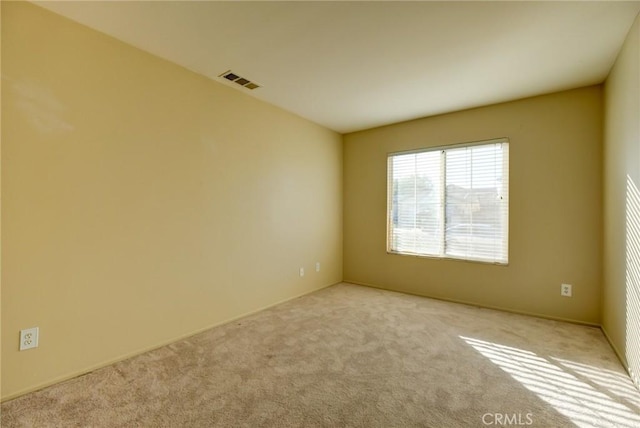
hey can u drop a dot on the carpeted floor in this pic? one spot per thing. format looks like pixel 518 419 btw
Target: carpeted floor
pixel 351 356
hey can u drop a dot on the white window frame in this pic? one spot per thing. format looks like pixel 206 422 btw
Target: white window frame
pixel 442 252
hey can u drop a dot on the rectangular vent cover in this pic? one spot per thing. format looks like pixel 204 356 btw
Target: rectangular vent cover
pixel 233 77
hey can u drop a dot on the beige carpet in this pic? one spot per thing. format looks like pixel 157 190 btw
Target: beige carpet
pixel 351 356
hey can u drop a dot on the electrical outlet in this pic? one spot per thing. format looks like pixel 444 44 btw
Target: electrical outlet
pixel 29 338
pixel 565 290
pixel 317 266
pixel 301 271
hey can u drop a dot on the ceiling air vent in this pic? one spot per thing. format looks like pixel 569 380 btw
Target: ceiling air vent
pixel 233 77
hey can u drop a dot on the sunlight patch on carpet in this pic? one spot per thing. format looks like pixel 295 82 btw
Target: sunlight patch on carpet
pixel 584 394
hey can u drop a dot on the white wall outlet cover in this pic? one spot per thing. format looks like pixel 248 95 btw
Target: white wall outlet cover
pixel 565 290
pixel 29 338
pixel 301 271
pixel 317 266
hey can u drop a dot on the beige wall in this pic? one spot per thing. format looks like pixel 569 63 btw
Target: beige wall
pixel 621 297
pixel 555 208
pixel 0 218
pixel 143 202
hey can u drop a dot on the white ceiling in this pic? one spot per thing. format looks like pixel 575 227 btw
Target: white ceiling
pixel 361 64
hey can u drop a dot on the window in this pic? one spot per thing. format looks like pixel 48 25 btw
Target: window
pixel 450 202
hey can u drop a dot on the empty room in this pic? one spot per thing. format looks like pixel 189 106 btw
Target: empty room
pixel 320 214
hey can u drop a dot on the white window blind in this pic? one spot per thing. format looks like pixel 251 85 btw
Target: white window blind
pixel 450 202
